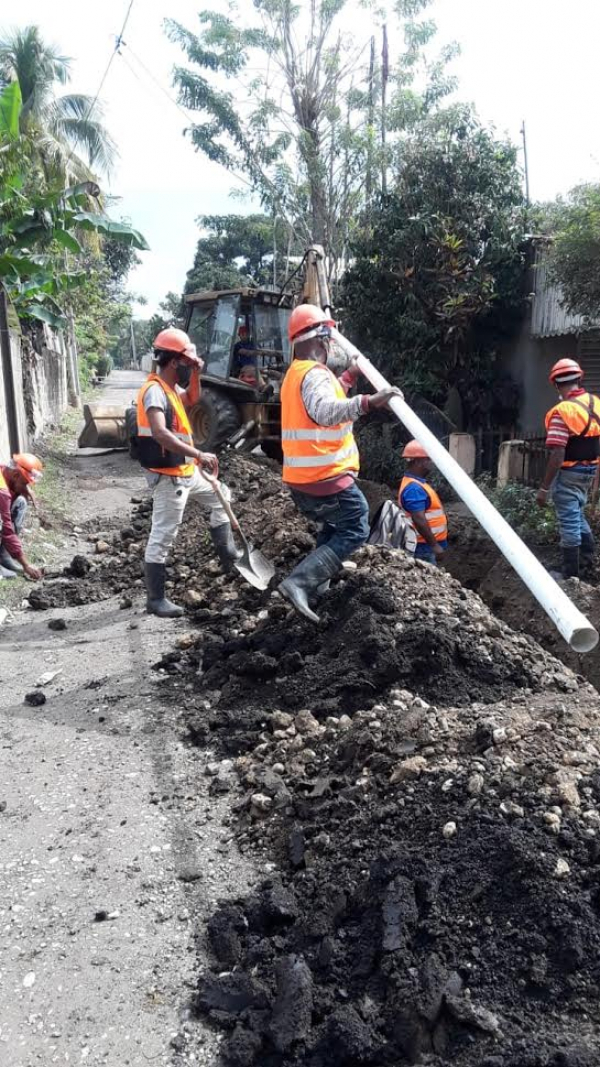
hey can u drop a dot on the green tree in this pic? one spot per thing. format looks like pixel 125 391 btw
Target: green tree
pixel 288 105
pixel 574 253
pixel 237 250
pixel 437 278
pixel 69 136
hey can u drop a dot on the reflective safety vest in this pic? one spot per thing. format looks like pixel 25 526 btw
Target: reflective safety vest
pixel 312 453
pixel 3 484
pixel 581 414
pixel 435 514
pixel 153 456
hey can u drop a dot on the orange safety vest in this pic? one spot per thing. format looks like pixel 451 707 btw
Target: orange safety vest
pixel 581 415
pixel 152 455
pixel 312 453
pixel 435 514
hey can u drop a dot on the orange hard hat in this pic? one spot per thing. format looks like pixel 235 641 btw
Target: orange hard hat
pixel 172 340
pixel 28 465
pixel 413 450
pixel 566 370
pixel 307 317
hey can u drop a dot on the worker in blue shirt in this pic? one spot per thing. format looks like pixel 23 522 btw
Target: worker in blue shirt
pixel 422 506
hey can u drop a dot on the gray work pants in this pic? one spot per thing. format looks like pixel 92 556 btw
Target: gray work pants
pixel 169 498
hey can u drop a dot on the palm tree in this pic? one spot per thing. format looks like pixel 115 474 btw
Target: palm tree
pixel 62 126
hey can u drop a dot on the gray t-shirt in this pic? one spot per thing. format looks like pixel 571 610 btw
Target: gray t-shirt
pixel 155 397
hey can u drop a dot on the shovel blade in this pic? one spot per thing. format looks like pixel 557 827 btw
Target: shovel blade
pixel 254 567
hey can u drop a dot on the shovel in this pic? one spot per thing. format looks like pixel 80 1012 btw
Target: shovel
pixel 252 566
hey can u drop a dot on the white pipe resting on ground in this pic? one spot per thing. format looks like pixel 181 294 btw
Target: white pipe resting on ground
pixel 574 627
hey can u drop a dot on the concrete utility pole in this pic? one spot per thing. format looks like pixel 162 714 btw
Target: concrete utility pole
pixel 133 348
pixel 525 162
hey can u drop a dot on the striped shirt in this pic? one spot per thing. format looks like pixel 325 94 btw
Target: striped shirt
pixel 324 408
pixel 558 432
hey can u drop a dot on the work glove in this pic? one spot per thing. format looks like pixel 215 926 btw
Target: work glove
pixel 382 398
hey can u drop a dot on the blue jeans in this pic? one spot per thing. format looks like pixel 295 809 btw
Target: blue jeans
pixel 343 519
pixel 570 495
pixel 425 552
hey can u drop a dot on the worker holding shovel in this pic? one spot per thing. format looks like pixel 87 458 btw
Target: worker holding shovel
pixel 320 457
pixel 164 447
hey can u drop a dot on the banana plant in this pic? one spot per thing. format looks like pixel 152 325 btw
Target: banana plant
pixel 39 229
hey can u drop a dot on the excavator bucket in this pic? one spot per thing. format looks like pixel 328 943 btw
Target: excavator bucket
pixel 104 427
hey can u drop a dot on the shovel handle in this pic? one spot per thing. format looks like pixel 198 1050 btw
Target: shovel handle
pixel 214 482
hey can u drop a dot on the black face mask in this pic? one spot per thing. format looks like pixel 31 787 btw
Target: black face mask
pixel 184 375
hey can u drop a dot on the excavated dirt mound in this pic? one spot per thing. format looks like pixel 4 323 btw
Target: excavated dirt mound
pixel 425 786
pixel 437 898
pixel 476 561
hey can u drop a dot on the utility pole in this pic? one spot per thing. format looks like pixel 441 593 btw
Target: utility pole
pixel 133 348
pixel 525 162
pixel 385 73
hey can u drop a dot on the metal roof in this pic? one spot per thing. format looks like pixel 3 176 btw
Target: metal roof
pixel 549 318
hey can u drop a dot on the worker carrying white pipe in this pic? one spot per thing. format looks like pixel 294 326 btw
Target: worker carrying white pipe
pixel 320 457
pixel 573 439
pixel 165 448
pixel 421 505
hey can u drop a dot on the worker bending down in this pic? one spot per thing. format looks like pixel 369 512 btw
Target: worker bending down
pixel 422 506
pixel 320 457
pixel 16 480
pixel 573 439
pixel 166 450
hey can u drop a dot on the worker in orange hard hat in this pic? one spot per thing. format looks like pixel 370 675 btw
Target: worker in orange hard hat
pixel 573 440
pixel 320 457
pixel 422 506
pixel 16 481
pixel 166 450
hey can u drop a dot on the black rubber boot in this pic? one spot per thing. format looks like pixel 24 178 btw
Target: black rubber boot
pixel 571 562
pixel 157 604
pixel 317 568
pixel 222 537
pixel 588 545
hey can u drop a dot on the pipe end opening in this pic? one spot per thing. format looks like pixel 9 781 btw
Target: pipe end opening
pixel 584 639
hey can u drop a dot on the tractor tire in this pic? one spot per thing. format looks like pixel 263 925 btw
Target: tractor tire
pixel 215 418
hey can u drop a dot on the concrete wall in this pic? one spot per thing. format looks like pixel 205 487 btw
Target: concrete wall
pixel 39 373
pixel 529 363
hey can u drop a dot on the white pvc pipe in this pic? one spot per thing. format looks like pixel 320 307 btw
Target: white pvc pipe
pixel 574 627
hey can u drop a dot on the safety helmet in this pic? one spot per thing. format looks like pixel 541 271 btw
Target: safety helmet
pixel 413 450
pixel 172 340
pixel 28 465
pixel 566 370
pixel 306 318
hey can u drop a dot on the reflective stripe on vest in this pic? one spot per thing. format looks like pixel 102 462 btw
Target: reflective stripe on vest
pixel 435 514
pixel 181 425
pixel 574 412
pixel 3 484
pixel 312 453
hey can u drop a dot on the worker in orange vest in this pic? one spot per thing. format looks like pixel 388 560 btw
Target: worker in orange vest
pixel 573 439
pixel 166 450
pixel 16 480
pixel 320 457
pixel 422 506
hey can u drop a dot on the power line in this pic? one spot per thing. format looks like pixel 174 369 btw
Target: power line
pixel 117 46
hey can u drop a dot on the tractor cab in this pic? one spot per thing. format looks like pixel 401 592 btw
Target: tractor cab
pixel 241 334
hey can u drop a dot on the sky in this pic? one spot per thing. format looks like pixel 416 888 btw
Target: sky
pixel 532 60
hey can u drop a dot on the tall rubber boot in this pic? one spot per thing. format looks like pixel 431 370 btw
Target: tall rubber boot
pixel 222 537
pixel 571 562
pixel 317 568
pixel 157 603
pixel 588 546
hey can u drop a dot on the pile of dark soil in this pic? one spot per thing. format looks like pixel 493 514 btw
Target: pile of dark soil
pixel 437 895
pixel 478 564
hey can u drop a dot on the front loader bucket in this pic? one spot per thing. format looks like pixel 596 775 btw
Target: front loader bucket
pixel 104 427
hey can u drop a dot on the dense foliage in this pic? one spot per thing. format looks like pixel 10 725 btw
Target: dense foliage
pixel 574 223
pixel 436 283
